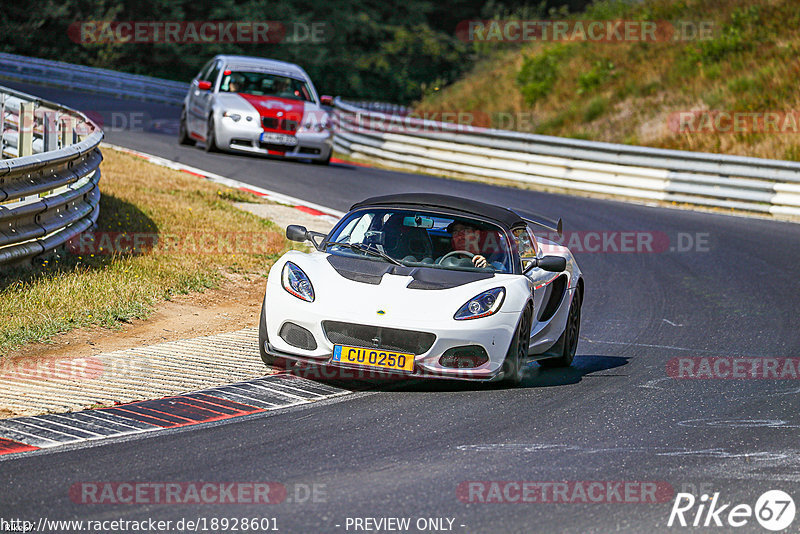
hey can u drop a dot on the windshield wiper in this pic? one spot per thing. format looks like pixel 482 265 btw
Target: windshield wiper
pixel 358 247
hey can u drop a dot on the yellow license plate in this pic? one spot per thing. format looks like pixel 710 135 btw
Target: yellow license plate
pixel 379 358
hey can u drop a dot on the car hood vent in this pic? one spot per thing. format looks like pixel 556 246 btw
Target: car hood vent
pixel 358 270
pixel 443 279
pixel 371 272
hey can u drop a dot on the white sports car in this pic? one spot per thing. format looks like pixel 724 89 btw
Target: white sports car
pixel 425 285
pixel 257 105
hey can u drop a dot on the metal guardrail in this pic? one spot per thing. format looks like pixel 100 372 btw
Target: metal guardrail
pixel 703 179
pixel 381 107
pixel 101 81
pixel 48 187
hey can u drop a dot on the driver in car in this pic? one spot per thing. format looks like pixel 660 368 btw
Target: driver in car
pixel 471 239
pixel 282 88
pixel 235 83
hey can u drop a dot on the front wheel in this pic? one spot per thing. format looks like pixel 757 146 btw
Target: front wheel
pixel 569 339
pixel 268 359
pixel 211 139
pixel 514 364
pixel 326 161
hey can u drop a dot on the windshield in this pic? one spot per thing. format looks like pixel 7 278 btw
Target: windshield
pixel 263 84
pixel 420 238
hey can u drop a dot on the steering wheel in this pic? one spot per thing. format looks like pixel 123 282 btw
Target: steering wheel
pixel 466 253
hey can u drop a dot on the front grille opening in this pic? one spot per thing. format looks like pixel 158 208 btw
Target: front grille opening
pixel 270 122
pixel 242 142
pixel 308 150
pixel 278 148
pixel 297 336
pixel 464 357
pixel 274 123
pixel 407 341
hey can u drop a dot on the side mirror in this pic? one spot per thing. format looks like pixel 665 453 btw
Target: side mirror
pixel 326 100
pixel 295 232
pixel 204 85
pixel 553 264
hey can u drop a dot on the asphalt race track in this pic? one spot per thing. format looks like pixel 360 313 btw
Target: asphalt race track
pixel 402 450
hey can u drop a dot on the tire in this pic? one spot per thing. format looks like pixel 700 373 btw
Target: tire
pixel 183 135
pixel 268 359
pixel 518 351
pixel 211 140
pixel 569 339
pixel 326 161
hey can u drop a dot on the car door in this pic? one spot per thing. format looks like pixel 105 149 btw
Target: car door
pixel 526 246
pixel 193 102
pixel 206 98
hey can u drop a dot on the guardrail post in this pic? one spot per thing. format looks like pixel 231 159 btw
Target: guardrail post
pixel 2 123
pixel 66 131
pixel 25 139
pixel 50 131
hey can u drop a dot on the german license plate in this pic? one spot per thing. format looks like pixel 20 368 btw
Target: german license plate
pixel 278 139
pixel 376 358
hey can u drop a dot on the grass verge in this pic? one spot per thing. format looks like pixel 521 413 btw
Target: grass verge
pixel 160 232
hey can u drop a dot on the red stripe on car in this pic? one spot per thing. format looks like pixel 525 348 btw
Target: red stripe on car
pixel 281 115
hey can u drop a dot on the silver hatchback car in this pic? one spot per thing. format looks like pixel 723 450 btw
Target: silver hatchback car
pixel 257 105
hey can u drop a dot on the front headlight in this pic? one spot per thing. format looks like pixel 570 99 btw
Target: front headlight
pixel 235 116
pixel 483 305
pixel 315 128
pixel 316 124
pixel 296 282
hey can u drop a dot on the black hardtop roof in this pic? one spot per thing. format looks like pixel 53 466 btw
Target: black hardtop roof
pixel 504 216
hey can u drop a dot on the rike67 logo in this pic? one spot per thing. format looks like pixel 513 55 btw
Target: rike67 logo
pixel 774 510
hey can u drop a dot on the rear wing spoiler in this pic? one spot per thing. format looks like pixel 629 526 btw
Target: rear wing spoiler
pixel 547 224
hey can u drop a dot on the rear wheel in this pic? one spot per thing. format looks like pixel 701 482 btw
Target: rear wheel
pixel 211 139
pixel 183 134
pixel 513 365
pixel 269 360
pixel 569 339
